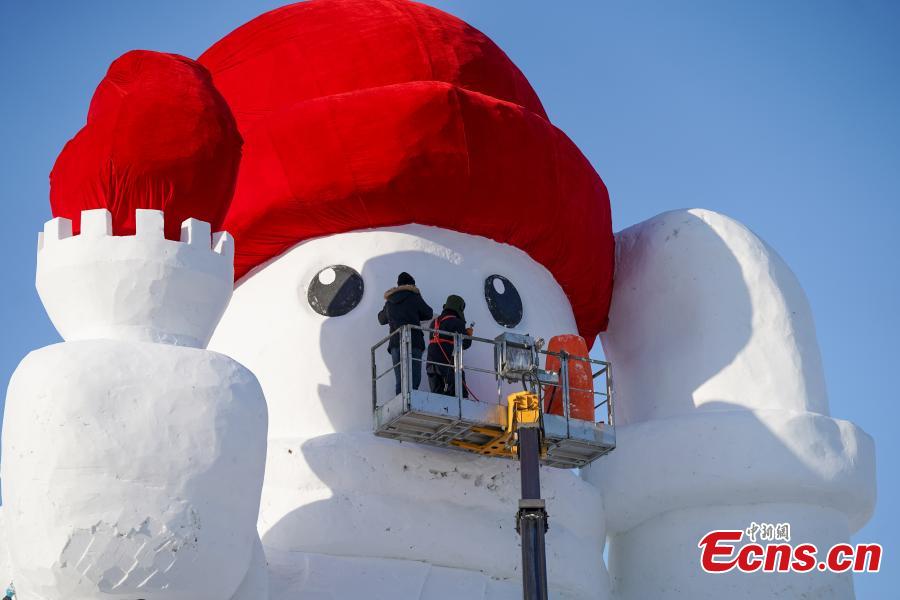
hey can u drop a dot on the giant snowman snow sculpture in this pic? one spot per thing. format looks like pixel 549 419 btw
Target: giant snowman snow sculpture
pixel 383 136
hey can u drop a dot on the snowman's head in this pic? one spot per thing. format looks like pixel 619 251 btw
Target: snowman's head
pixel 315 363
pixel 345 149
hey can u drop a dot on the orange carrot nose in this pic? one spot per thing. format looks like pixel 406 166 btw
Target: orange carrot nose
pixel 581 381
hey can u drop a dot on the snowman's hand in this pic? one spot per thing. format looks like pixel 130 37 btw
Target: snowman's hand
pixel 705 314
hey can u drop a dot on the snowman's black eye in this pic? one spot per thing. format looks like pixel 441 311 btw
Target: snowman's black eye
pixel 503 300
pixel 335 290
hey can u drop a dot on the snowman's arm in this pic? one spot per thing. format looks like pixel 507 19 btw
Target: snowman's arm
pixel 720 401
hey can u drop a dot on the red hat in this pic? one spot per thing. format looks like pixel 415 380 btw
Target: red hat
pixel 370 113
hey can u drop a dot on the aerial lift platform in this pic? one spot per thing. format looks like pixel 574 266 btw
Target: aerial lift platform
pixel 513 424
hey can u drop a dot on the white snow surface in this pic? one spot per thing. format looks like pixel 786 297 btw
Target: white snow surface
pixel 116 449
pixel 722 414
pixel 129 468
pixel 316 370
pixel 132 468
pixel 331 487
pixel 141 287
pixel 305 576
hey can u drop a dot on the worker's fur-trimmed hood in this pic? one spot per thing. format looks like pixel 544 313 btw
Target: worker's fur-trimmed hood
pixel 400 288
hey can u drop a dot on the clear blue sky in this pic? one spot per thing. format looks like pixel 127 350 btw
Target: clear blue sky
pixel 783 115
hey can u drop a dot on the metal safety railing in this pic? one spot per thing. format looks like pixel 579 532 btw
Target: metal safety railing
pixel 487 383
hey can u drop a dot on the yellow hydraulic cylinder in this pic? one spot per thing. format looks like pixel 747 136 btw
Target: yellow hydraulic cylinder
pixel 523 408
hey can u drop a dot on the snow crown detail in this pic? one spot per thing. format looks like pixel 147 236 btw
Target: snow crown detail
pixel 148 224
pixel 141 287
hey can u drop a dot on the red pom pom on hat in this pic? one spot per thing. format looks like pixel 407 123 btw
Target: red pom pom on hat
pixel 159 136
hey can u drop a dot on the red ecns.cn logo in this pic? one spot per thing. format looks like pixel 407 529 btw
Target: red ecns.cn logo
pixel 721 553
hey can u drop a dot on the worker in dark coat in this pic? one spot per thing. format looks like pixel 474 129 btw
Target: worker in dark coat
pixel 404 305
pixel 440 347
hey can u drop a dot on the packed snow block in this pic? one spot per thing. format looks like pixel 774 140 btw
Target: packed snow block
pixel 332 487
pixel 132 457
pixel 309 576
pixel 256 581
pixel 142 287
pixel 718 314
pixel 132 469
pixel 6 572
pixel 96 222
pixel 722 414
pixel 664 550
pixel 352 494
